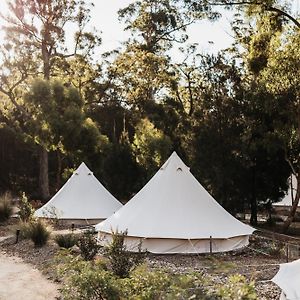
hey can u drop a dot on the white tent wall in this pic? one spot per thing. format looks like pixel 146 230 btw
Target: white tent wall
pixel 173 246
pixel 282 296
pixel 288 279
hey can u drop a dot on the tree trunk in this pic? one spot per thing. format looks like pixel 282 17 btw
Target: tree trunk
pixel 58 172
pixel 293 210
pixel 43 173
pixel 253 218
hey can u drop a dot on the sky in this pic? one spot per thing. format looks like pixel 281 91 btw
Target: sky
pixel 211 37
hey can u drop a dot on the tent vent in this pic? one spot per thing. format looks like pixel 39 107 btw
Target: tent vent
pixel 76 173
pixel 179 169
pixel 90 173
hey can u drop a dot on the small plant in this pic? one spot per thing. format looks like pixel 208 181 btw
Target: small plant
pixel 122 261
pixel 6 209
pixel 26 210
pixel 88 245
pixel 39 233
pixel 66 240
pixel 25 230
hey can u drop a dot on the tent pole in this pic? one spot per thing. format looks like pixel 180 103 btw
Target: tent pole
pixel 210 244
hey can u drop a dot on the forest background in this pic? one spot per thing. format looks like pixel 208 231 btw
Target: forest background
pixel 233 116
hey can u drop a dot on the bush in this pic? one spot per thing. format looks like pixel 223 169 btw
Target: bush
pixel 26 210
pixel 25 230
pixel 6 209
pixel 39 233
pixel 122 261
pixel 66 240
pixel 237 288
pixel 144 283
pixel 86 281
pixel 88 245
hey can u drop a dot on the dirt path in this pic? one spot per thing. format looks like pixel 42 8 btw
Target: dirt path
pixel 21 281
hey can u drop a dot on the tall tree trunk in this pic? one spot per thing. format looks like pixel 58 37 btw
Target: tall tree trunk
pixel 58 172
pixel 253 218
pixel 43 173
pixel 43 154
pixel 293 210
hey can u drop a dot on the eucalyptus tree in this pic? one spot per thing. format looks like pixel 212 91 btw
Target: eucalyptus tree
pixel 35 45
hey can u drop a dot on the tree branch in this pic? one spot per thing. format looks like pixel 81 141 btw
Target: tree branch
pixel 267 8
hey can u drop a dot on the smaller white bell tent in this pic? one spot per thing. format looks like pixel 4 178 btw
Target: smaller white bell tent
pixel 82 197
pixel 173 213
pixel 287 201
pixel 288 279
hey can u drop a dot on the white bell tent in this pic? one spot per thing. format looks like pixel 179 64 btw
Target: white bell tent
pixel 288 279
pixel 82 197
pixel 287 201
pixel 173 213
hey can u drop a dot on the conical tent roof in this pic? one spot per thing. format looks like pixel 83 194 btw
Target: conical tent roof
pixel 81 197
pixel 288 279
pixel 174 205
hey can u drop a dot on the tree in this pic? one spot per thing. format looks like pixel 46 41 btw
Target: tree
pixel 150 146
pixel 35 40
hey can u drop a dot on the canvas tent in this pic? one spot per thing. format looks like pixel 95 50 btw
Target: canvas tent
pixel 82 198
pixel 287 201
pixel 173 213
pixel 288 279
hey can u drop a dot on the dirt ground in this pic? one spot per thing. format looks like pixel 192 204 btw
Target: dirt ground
pixel 19 280
pixel 259 262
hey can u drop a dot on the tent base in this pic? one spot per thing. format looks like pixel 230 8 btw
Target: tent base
pixel 173 246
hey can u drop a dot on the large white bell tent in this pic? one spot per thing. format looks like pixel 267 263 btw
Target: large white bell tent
pixel 81 198
pixel 288 279
pixel 173 213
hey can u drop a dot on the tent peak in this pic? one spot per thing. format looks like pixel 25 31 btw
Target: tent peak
pixel 175 163
pixel 83 169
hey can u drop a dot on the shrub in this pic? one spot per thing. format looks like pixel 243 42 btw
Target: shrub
pixel 25 230
pixel 122 261
pixel 88 245
pixel 85 280
pixel 66 240
pixel 39 233
pixel 26 210
pixel 6 209
pixel 144 283
pixel 237 288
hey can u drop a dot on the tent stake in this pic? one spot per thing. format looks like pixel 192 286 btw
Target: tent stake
pixel 17 235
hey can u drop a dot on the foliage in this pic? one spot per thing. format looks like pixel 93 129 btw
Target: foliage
pixel 92 280
pixel 26 210
pixel 121 260
pixel 39 233
pixel 150 146
pixel 237 288
pixel 86 280
pixel 88 245
pixel 25 229
pixel 6 209
pixel 160 284
pixel 66 240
